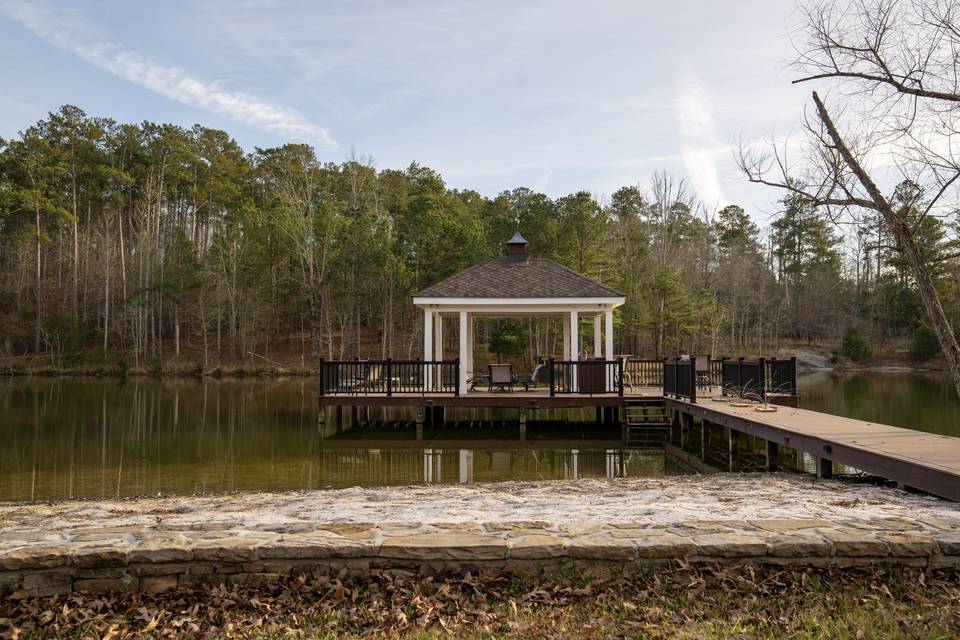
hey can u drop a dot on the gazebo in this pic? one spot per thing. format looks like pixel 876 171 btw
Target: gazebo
pixel 516 285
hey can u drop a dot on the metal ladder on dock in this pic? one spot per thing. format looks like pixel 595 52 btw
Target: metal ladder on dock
pixel 647 424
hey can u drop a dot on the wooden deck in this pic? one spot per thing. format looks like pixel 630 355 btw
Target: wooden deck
pixel 925 461
pixel 533 399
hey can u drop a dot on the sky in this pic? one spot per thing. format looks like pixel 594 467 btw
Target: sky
pixel 555 96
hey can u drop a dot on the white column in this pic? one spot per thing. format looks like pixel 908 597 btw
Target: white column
pixel 608 321
pixel 469 355
pixel 574 348
pixel 608 347
pixel 574 336
pixel 597 353
pixel 566 337
pixel 427 346
pixel 464 349
pixel 438 337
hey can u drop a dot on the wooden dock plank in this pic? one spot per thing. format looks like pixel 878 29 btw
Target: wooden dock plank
pixel 926 461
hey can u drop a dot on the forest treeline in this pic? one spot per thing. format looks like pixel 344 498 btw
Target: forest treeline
pixel 147 242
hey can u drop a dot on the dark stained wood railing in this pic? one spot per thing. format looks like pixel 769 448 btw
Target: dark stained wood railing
pixel 590 377
pixel 389 377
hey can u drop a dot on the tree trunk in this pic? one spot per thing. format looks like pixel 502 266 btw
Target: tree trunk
pixel 38 312
pixel 901 231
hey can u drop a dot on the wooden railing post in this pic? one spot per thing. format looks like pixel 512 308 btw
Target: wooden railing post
pixel 620 377
pixel 389 377
pixel 323 380
pixel 693 378
pixel 456 377
pixel 762 373
pixel 553 382
pixel 793 376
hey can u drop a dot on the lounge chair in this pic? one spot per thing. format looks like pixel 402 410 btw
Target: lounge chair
pixel 531 379
pixel 501 377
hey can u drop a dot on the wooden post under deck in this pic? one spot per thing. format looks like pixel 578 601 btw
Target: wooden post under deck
pixel 685 422
pixel 824 467
pixel 704 438
pixel 419 420
pixel 733 450
pixel 523 424
pixel 772 456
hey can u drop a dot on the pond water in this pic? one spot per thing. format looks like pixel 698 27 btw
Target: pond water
pixel 913 400
pixel 75 438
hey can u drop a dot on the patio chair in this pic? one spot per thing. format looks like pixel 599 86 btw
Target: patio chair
pixel 478 379
pixel 703 373
pixel 531 379
pixel 501 377
pixel 373 379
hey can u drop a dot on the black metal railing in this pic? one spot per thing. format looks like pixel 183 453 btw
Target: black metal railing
pixel 589 377
pixel 744 378
pixel 389 377
pixel 757 379
pixel 782 376
pixel 680 378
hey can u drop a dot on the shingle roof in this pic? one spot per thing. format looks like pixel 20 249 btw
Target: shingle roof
pixel 505 278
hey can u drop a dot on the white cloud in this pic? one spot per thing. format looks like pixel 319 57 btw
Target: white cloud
pixel 172 82
pixel 694 116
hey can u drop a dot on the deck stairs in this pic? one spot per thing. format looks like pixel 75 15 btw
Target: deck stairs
pixel 647 424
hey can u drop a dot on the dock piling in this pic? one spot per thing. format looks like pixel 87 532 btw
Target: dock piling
pixel 772 456
pixel 704 438
pixel 824 467
pixel 733 450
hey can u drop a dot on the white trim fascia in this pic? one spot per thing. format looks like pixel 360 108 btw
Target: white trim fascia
pixel 567 303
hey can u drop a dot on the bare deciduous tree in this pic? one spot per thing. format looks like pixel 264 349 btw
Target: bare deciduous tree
pixel 893 69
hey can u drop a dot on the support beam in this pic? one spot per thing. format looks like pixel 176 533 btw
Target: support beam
pixel 437 336
pixel 824 467
pixel 733 450
pixel 608 346
pixel 469 353
pixel 686 421
pixel 566 337
pixel 773 456
pixel 523 424
pixel 608 334
pixel 704 439
pixel 574 348
pixel 427 346
pixel 597 341
pixel 465 347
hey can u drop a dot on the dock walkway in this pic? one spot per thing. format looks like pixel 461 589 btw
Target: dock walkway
pixel 925 461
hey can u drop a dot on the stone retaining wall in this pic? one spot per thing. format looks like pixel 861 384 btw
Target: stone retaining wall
pixel 155 559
